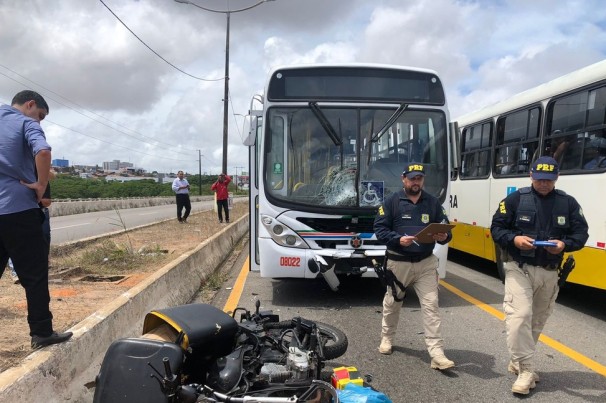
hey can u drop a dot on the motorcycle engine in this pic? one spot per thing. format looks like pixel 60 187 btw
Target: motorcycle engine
pixel 298 362
pixel 298 367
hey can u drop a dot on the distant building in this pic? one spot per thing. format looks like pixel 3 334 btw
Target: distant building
pixel 117 165
pixel 60 163
pixel 86 168
pixel 111 166
pixel 119 178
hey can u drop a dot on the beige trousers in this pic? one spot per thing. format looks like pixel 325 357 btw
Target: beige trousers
pixel 530 295
pixel 423 277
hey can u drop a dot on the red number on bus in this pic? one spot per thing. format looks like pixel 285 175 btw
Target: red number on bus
pixel 290 261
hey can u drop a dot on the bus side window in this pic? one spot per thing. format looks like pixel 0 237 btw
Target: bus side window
pixel 595 154
pixel 574 156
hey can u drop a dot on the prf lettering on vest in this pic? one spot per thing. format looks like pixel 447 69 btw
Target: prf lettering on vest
pixel 502 208
pixel 545 167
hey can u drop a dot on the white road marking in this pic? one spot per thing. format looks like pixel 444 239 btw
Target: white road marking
pixel 69 226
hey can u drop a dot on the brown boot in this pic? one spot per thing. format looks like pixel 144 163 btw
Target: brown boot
pixel 525 380
pixel 385 347
pixel 514 368
pixel 441 362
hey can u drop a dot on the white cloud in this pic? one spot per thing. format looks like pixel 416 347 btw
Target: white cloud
pixel 78 55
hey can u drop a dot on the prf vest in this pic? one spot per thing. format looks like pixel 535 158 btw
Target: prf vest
pixel 529 218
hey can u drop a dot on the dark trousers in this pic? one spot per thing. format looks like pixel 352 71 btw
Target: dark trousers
pixel 22 239
pixel 46 230
pixel 183 202
pixel 222 204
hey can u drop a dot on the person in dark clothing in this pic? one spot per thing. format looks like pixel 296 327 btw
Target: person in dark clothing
pixel 181 188
pixel 412 263
pixel 536 213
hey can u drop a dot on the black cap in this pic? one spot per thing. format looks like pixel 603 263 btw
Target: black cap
pixel 545 168
pixel 413 169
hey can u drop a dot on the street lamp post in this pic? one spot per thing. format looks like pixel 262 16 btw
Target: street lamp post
pixel 226 78
pixel 226 98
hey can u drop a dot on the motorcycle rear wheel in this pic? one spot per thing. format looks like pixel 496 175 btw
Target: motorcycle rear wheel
pixel 334 342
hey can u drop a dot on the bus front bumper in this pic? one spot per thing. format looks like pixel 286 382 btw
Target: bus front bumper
pixel 329 263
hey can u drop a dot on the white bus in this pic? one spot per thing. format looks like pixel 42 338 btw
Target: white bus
pixel 328 146
pixel 564 118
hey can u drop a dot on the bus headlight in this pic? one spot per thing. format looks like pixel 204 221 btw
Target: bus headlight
pixel 281 234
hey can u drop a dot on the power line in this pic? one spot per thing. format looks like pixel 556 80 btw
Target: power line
pixel 233 112
pixel 89 111
pixel 156 53
pixel 115 145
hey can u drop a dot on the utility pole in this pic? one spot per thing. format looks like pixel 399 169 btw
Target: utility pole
pixel 200 170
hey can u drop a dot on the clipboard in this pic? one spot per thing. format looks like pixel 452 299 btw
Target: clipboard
pixel 426 234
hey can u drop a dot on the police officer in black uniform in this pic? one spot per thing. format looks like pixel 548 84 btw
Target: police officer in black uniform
pixel 536 213
pixel 412 263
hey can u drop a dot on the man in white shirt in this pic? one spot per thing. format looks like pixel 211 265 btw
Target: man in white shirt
pixel 181 189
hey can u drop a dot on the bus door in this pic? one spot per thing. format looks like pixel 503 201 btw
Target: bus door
pixel 252 141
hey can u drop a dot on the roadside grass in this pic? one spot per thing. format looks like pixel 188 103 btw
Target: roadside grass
pixel 141 249
pixel 110 257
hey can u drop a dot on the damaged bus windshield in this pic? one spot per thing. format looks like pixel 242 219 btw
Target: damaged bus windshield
pixel 314 167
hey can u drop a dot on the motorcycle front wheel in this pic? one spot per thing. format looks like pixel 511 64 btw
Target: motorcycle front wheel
pixel 334 341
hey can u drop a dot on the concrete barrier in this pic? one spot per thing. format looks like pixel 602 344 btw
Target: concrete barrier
pixel 64 372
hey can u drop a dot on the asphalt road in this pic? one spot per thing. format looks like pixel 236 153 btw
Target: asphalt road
pixel 78 226
pixel 570 360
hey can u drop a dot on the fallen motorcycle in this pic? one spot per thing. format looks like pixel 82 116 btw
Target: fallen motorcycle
pixel 198 353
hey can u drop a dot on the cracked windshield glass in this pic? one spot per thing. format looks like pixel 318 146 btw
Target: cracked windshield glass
pixel 350 157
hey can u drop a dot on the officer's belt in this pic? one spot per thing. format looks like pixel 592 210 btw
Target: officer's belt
pixel 550 266
pixel 406 258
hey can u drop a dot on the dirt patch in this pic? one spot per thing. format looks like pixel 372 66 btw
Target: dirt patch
pixel 84 278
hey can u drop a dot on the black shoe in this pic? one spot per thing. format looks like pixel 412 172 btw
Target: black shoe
pixel 220 221
pixel 180 220
pixel 227 221
pixel 39 341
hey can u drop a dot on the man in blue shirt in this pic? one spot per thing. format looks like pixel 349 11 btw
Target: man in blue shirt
pixel 25 158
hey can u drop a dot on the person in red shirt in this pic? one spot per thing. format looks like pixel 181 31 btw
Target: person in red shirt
pixel 220 188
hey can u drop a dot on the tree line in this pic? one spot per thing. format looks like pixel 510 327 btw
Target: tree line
pixel 72 187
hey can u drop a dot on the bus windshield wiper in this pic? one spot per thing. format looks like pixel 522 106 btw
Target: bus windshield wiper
pixel 389 122
pixel 325 123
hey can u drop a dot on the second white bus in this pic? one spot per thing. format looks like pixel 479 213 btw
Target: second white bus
pixel 564 118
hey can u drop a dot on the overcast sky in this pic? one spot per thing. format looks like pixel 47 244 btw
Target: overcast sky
pixel 111 97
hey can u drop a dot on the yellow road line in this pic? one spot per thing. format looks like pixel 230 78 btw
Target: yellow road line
pixel 556 345
pixel 236 292
pixel 485 307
